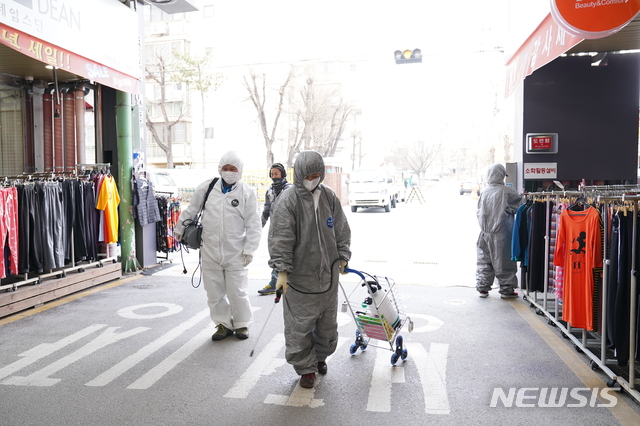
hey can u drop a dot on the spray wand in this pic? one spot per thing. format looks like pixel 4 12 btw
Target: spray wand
pixel 276 300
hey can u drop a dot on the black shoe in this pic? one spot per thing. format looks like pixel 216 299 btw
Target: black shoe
pixel 221 333
pixel 322 367
pixel 242 333
pixel 307 380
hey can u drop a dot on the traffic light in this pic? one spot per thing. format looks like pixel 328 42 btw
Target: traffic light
pixel 408 56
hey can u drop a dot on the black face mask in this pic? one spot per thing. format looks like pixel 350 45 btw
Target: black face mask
pixel 278 184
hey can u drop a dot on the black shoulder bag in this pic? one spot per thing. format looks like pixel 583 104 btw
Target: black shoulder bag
pixel 192 234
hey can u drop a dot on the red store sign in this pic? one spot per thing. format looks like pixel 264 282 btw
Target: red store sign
pixel 69 61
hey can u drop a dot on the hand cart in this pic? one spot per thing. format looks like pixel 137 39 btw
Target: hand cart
pixel 375 311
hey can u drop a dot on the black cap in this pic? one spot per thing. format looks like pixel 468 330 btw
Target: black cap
pixel 280 167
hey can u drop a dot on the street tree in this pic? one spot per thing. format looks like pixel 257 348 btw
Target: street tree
pixel 320 116
pixel 172 108
pixel 416 157
pixel 193 70
pixel 256 86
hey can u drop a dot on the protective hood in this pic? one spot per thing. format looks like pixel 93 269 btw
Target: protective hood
pixel 496 174
pixel 231 157
pixel 307 162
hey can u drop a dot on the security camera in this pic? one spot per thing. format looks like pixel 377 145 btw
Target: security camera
pixel 28 78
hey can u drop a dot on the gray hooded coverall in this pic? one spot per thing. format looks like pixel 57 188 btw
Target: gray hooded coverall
pixel 307 242
pixel 496 209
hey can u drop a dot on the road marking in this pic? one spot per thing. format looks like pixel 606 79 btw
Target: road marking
pixel 171 309
pixel 382 378
pixel 432 367
pixel 302 397
pixel 41 377
pixel 433 323
pixel 134 359
pixel 266 363
pixel 157 372
pixel 46 349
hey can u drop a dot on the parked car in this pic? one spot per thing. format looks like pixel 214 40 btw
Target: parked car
pixel 164 183
pixel 469 186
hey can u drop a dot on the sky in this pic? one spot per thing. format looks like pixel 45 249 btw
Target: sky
pixel 451 95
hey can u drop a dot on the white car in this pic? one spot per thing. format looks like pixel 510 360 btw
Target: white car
pixel 163 183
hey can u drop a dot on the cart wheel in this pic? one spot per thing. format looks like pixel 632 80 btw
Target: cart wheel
pixel 353 349
pixel 538 311
pixel 363 346
pixel 399 343
pixel 611 383
pixel 394 358
pixel 524 297
pixel 593 365
pixel 404 354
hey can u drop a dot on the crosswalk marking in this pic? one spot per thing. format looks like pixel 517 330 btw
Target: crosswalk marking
pixel 382 377
pixel 46 349
pixel 266 362
pixel 132 360
pixel 41 377
pixel 157 372
pixel 432 367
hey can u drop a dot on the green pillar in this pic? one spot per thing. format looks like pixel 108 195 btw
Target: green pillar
pixel 127 230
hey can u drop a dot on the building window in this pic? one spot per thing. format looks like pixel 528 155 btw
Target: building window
pixel 208 132
pixel 208 11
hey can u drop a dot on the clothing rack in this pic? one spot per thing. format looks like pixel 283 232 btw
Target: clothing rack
pixel 602 194
pixel 24 279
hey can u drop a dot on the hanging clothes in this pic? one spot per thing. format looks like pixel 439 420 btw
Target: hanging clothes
pixel 108 200
pixel 8 231
pixel 579 251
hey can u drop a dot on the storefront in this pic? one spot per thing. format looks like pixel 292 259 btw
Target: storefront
pixel 575 84
pixel 69 113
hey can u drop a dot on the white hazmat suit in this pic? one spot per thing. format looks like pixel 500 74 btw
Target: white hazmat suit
pixel 231 231
pixel 309 233
pixel 496 209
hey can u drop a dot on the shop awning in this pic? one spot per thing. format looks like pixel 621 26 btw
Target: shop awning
pixel 545 44
pixel 50 54
pixel 549 41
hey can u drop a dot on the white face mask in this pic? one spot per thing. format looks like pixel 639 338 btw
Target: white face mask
pixel 230 177
pixel 311 184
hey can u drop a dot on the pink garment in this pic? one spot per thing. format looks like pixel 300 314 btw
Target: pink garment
pixel 9 229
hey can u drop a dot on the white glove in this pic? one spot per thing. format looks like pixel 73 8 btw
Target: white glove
pixel 247 259
pixel 281 283
pixel 343 264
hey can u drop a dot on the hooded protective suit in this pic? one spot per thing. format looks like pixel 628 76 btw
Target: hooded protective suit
pixel 309 233
pixel 231 228
pixel 496 208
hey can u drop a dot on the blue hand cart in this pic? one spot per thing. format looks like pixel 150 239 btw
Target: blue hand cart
pixel 374 307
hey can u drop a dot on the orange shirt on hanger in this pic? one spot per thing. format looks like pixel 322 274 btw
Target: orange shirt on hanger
pixel 108 200
pixel 579 251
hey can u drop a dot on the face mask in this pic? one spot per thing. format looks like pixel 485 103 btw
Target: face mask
pixel 277 181
pixel 311 184
pixel 230 177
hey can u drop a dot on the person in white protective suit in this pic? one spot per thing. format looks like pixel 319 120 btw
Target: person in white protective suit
pixel 496 209
pixel 231 231
pixel 309 242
